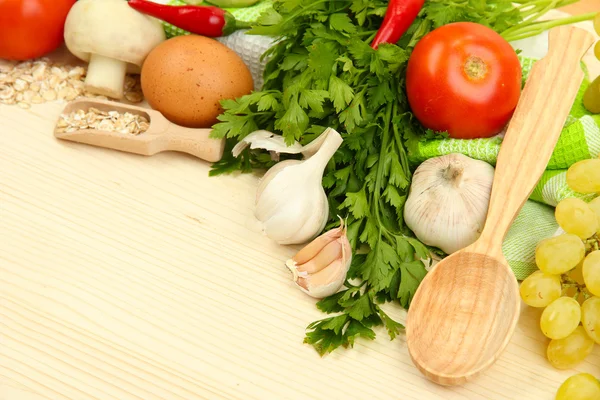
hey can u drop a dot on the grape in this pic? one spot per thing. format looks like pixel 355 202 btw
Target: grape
pixel 584 176
pixel 539 289
pixel 597 50
pixel 576 217
pixel 559 254
pixel 576 273
pixel 560 318
pixel 595 206
pixel 590 318
pixel 579 387
pixel 568 352
pixel 591 272
pixel 597 23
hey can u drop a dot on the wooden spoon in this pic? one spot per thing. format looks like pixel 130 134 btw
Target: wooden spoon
pixel 466 309
pixel 162 135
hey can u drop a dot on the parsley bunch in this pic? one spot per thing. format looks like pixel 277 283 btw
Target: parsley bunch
pixel 323 73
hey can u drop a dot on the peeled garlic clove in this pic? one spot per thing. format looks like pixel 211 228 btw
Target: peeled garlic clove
pixel 326 263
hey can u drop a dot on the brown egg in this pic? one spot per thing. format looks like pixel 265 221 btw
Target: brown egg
pixel 186 77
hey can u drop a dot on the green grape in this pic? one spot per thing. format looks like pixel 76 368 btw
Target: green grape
pixel 597 23
pixel 560 318
pixel 559 254
pixel 576 216
pixel 584 176
pixel 568 352
pixel 595 206
pixel 576 273
pixel 591 272
pixel 539 289
pixel 579 387
pixel 597 50
pixel 590 318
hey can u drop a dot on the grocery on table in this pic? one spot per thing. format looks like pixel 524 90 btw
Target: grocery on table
pixel 375 125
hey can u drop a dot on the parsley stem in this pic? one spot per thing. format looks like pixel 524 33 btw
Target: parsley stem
pixel 302 10
pixel 380 167
pixel 527 29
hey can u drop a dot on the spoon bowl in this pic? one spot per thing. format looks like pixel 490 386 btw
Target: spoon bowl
pixel 438 349
pixel 467 307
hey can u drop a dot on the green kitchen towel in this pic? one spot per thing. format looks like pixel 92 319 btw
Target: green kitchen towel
pixel 245 14
pixel 534 223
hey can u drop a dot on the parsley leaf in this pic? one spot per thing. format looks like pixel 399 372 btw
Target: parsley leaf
pixel 341 22
pixel 413 272
pixel 340 92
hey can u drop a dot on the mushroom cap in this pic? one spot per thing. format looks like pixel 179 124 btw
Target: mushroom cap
pixel 111 29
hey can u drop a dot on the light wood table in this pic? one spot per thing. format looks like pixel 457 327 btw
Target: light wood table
pixel 125 277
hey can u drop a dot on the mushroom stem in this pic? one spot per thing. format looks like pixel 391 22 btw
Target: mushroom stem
pixel 105 76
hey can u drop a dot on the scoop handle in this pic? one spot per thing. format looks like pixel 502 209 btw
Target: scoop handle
pixel 194 141
pixel 535 128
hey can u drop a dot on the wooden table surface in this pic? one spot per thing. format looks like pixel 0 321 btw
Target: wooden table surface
pixel 128 277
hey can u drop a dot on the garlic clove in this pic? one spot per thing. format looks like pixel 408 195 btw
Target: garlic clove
pixel 312 249
pixel 326 256
pixel 326 263
pixel 325 282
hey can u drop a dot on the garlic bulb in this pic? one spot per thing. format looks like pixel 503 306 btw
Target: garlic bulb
pixel 320 268
pixel 290 200
pixel 448 201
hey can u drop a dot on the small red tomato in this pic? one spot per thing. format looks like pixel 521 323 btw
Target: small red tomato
pixel 465 79
pixel 31 28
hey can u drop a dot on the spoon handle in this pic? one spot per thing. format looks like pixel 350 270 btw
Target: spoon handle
pixel 194 141
pixel 535 127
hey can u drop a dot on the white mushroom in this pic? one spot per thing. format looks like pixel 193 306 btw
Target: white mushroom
pixel 113 38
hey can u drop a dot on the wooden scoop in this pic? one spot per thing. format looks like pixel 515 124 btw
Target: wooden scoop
pixel 466 309
pixel 162 135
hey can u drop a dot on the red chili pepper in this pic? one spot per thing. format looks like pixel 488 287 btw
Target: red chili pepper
pixel 202 20
pixel 399 16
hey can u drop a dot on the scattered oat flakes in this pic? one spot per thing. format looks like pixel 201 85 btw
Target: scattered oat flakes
pixel 111 121
pixel 41 80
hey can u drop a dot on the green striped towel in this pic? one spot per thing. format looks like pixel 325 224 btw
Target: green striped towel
pixel 579 140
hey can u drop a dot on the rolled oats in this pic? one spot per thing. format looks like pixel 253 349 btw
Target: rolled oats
pixel 20 85
pixel 49 95
pixel 111 121
pixel 35 86
pixel 41 80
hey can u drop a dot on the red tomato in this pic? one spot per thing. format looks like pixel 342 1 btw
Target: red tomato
pixel 465 79
pixel 31 28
